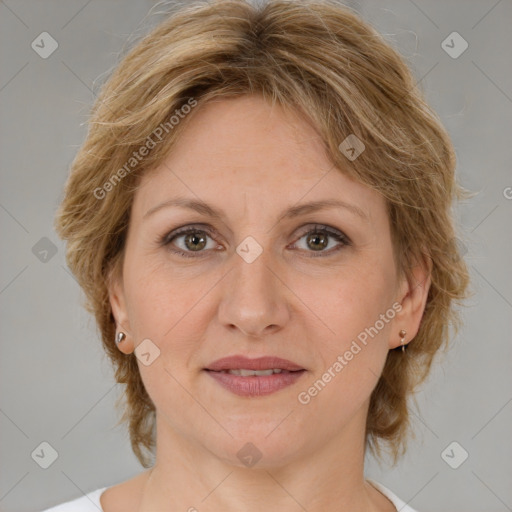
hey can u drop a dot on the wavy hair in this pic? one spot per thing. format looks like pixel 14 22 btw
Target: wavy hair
pixel 313 56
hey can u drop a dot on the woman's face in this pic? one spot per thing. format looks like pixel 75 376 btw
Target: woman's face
pixel 255 281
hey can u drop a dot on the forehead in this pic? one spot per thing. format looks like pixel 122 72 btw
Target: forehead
pixel 246 131
pixel 245 147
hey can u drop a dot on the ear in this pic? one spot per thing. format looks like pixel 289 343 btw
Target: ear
pixel 413 293
pixel 117 300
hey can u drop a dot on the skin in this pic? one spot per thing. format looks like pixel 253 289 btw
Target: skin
pixel 254 161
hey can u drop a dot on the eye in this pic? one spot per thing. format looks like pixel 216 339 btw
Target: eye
pixel 317 240
pixel 192 240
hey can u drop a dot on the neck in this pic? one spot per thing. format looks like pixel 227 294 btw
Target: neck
pixel 190 477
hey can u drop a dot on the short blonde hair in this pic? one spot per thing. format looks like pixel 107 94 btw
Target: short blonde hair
pixel 316 57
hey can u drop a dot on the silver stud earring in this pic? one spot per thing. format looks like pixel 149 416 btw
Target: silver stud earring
pixel 120 336
pixel 402 334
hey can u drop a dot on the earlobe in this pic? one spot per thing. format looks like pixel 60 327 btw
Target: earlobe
pixel 118 305
pixel 413 299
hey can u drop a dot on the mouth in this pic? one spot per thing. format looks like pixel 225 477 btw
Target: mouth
pixel 265 363
pixel 243 372
pixel 254 377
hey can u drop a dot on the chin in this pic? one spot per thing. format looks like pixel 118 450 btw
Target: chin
pixel 259 455
pixel 258 445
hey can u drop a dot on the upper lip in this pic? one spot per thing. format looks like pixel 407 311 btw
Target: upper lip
pixel 238 362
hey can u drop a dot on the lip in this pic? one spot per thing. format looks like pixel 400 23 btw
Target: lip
pixel 238 362
pixel 255 385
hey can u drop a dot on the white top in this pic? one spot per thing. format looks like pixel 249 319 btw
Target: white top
pixel 91 502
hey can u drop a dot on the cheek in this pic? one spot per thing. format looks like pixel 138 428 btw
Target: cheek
pixel 168 308
pixel 351 301
pixel 164 309
pixel 358 316
pixel 159 297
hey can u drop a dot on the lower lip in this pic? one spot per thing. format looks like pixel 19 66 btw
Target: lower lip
pixel 255 385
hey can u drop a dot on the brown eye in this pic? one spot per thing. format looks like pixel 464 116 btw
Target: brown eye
pixel 195 242
pixel 317 241
pixel 188 241
pixel 320 237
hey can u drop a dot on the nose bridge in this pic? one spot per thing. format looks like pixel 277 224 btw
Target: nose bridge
pixel 253 298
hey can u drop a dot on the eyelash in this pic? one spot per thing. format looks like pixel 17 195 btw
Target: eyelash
pixel 337 235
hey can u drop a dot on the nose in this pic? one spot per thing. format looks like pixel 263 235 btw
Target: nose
pixel 254 298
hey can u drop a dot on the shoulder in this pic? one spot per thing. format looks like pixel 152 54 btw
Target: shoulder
pixel 117 497
pixel 397 502
pixel 87 503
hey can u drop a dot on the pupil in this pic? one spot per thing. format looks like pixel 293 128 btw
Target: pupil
pixel 316 237
pixel 194 239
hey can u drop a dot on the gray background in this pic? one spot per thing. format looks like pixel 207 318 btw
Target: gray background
pixel 56 385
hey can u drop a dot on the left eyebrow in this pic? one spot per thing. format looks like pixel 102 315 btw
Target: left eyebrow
pixel 294 211
pixel 192 204
pixel 312 206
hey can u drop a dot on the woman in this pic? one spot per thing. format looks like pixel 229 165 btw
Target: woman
pixel 260 220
